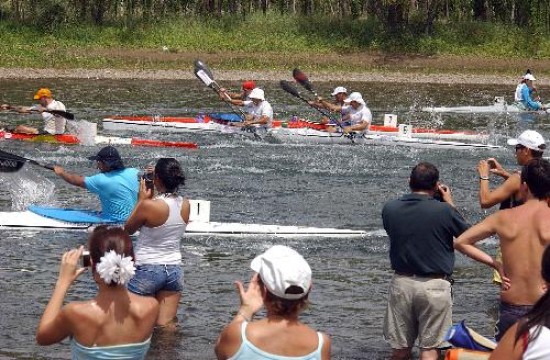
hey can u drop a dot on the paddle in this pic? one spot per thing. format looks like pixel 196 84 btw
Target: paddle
pixel 64 114
pixel 203 73
pixel 10 162
pixel 289 88
pixel 303 80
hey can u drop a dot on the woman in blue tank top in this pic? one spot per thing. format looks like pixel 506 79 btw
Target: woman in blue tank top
pixel 281 284
pixel 115 324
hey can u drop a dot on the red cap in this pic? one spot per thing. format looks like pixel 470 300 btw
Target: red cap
pixel 249 85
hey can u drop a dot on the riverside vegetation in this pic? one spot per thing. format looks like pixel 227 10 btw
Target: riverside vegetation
pixel 275 41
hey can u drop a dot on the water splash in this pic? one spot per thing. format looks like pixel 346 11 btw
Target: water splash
pixel 26 188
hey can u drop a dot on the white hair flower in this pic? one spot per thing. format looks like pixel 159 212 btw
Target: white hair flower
pixel 113 267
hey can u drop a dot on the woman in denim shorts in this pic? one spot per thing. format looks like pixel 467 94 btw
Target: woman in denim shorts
pixel 161 219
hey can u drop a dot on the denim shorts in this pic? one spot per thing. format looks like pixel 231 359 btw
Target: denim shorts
pixel 150 279
pixel 508 315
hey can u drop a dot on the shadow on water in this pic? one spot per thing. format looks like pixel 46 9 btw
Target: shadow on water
pixel 325 186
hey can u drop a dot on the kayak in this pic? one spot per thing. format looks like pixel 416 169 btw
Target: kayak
pixel 499 106
pixel 51 218
pixel 213 123
pixel 308 135
pixel 70 139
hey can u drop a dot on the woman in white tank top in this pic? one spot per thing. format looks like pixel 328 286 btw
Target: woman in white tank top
pixel 161 219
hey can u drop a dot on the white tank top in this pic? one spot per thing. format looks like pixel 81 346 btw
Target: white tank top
pixel 538 349
pixel 161 245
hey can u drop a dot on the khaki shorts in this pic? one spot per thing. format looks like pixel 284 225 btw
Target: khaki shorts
pixel 418 308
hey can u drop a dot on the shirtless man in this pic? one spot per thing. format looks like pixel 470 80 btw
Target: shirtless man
pixel 524 231
pixel 528 145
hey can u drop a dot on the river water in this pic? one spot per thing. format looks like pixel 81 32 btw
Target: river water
pixel 341 186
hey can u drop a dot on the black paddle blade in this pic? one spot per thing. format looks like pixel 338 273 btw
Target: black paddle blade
pixel 10 162
pixel 289 88
pixel 10 165
pixel 15 162
pixel 302 79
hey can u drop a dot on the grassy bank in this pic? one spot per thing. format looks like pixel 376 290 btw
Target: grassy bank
pixel 275 42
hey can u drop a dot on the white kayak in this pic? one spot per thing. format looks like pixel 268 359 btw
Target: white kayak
pixel 206 123
pixel 45 218
pixel 322 137
pixel 499 106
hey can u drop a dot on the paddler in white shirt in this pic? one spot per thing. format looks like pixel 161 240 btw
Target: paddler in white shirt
pixel 259 113
pixel 357 116
pixel 53 124
pixel 340 94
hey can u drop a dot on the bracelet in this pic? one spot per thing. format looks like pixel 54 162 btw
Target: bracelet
pixel 483 178
pixel 248 319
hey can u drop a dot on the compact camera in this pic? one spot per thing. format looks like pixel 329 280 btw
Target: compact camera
pixel 148 177
pixel 438 195
pixel 86 259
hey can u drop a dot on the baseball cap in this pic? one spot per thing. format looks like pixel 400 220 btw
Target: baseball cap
pixel 529 77
pixel 530 139
pixel 248 85
pixel 257 94
pixel 44 92
pixel 355 96
pixel 338 90
pixel 107 154
pixel 281 267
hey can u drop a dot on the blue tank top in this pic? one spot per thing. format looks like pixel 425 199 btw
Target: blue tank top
pixel 136 351
pixel 248 351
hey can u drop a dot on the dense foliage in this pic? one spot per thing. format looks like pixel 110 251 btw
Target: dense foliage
pixel 395 16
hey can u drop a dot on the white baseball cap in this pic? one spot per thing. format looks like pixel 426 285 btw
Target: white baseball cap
pixel 281 267
pixel 530 139
pixel 257 93
pixel 355 96
pixel 338 90
pixel 529 77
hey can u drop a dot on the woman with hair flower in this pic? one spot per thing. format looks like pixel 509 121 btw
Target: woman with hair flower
pixel 162 220
pixel 115 323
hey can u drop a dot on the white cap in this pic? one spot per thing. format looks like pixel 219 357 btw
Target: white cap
pixel 530 139
pixel 281 267
pixel 338 90
pixel 355 96
pixel 257 93
pixel 528 77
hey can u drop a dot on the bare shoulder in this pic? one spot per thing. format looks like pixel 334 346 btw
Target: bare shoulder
pixel 145 305
pixel 229 341
pixel 78 312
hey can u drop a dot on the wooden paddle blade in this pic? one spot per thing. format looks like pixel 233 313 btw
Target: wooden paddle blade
pixel 10 165
pixel 302 79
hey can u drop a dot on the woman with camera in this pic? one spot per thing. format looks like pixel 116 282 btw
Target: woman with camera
pixel 161 220
pixel 115 323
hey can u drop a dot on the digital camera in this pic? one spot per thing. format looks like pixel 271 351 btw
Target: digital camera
pixel 86 259
pixel 148 177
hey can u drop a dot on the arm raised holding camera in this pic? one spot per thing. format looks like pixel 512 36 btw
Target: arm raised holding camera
pixel 497 169
pixel 445 193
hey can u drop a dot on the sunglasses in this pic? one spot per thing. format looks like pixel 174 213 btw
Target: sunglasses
pixel 519 147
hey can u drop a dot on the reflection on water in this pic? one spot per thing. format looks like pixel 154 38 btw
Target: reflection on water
pixel 247 181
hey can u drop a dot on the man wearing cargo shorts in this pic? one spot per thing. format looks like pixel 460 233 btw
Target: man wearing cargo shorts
pixel 421 230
